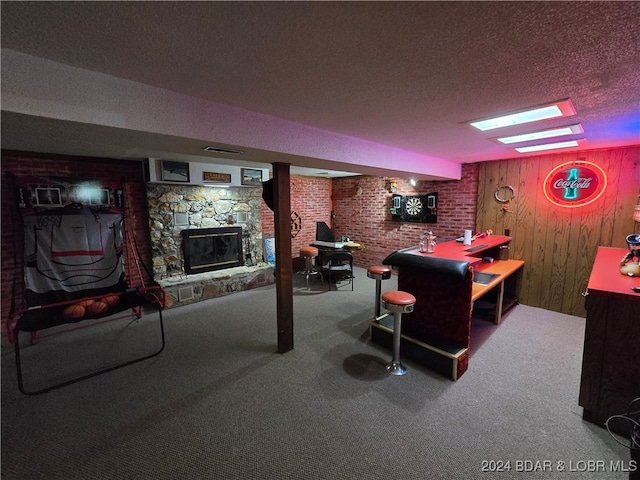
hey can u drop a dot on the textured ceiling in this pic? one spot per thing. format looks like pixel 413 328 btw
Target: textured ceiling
pixel 403 74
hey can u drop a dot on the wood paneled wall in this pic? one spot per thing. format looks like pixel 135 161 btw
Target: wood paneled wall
pixel 558 244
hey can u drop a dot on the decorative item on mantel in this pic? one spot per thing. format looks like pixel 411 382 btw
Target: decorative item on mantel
pixel 215 177
pixel 251 177
pixel 175 171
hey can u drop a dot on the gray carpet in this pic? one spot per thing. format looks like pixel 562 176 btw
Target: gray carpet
pixel 219 403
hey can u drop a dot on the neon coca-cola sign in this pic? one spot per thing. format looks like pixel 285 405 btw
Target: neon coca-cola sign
pixel 575 184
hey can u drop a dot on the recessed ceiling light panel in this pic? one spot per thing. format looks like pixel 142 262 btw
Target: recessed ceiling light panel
pixel 553 132
pixel 549 146
pixel 553 110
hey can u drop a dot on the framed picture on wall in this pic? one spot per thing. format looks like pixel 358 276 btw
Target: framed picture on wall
pixel 216 177
pixel 175 171
pixel 252 177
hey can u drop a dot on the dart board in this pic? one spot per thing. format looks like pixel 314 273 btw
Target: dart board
pixel 413 206
pixel 414 209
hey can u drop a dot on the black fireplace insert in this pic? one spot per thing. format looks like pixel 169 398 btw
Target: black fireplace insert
pixel 208 249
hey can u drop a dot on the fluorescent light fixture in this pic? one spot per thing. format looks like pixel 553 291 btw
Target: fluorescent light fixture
pixel 413 182
pixel 561 108
pixel 548 146
pixel 554 132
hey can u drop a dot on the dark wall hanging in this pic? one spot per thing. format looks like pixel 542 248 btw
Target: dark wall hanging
pixel 415 208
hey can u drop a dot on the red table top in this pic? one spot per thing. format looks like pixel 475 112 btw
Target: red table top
pixel 606 278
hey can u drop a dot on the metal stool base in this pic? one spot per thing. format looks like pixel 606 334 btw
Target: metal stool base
pixel 309 271
pixel 378 278
pixel 396 368
pixel 310 274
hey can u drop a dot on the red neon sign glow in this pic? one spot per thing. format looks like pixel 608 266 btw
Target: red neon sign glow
pixel 575 184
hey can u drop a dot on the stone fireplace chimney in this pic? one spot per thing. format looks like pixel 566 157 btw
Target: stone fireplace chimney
pixel 177 208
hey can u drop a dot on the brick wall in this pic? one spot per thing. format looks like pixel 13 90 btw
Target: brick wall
pixel 366 218
pixel 47 166
pixel 311 200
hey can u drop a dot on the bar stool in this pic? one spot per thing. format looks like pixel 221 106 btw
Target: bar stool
pixel 397 302
pixel 309 253
pixel 378 273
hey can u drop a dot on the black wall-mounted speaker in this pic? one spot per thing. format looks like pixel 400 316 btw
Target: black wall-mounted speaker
pixel 267 193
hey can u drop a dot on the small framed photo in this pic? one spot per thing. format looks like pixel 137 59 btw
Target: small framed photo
pixel 175 171
pixel 252 177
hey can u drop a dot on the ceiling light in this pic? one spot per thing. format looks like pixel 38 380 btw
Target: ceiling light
pixel 554 132
pixel 562 108
pixel 548 146
pixel 223 150
pixel 413 182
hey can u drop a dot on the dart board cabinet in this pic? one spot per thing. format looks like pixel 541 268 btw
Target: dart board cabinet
pixel 415 208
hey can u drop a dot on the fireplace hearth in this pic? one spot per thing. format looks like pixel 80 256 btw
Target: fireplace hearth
pixel 209 249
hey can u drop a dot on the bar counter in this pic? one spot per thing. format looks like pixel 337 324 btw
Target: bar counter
pixel 446 284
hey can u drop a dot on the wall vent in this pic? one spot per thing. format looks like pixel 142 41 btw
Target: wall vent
pixel 223 150
pixel 185 293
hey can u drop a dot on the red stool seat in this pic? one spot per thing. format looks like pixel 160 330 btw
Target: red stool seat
pixel 378 273
pixel 382 272
pixel 308 252
pixel 395 297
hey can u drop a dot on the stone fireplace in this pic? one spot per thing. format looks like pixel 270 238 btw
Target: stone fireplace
pixel 206 241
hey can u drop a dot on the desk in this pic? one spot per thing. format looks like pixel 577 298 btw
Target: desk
pixel 437 333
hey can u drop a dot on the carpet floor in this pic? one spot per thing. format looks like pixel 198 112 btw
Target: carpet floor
pixel 220 403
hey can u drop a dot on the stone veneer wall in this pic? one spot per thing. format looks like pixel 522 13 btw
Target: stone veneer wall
pixel 204 207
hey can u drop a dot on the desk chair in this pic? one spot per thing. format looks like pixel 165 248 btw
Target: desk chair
pixel 338 263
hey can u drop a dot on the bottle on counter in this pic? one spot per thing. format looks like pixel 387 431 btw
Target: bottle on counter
pixel 427 242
